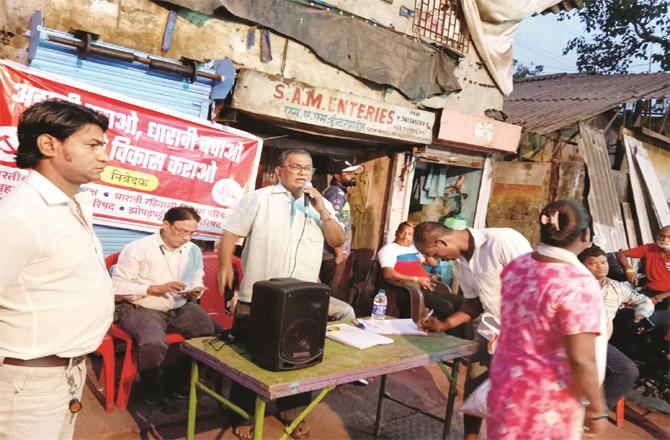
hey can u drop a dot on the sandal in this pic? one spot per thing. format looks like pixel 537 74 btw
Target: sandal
pixel 301 431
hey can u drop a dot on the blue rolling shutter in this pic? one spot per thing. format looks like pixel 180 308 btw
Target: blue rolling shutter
pixel 136 80
pixel 166 89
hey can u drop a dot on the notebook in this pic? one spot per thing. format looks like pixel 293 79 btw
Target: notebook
pixel 390 326
pixel 355 337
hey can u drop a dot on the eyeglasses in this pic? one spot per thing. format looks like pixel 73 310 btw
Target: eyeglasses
pixel 295 169
pixel 183 232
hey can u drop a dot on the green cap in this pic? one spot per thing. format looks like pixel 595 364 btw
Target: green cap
pixel 455 222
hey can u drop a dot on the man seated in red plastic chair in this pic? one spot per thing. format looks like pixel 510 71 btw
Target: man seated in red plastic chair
pixel 158 277
pixel 401 262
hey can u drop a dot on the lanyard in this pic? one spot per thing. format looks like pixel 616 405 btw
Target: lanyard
pixel 167 263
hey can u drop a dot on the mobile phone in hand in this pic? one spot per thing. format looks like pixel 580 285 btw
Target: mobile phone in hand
pixel 188 294
pixel 644 325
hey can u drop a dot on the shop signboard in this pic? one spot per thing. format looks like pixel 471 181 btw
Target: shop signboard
pixel 298 102
pixel 477 133
pixel 158 158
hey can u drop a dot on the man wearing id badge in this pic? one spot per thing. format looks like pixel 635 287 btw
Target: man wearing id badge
pixel 157 276
pixel 56 299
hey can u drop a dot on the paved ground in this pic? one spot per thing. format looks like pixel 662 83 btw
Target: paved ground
pixel 346 413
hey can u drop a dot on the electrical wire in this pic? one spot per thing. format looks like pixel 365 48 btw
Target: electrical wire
pixel 297 245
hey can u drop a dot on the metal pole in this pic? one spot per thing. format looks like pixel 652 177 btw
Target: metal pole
pixel 192 402
pixel 380 403
pixel 453 391
pixel 158 64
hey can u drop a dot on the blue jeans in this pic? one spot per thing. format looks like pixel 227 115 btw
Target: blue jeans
pixel 620 377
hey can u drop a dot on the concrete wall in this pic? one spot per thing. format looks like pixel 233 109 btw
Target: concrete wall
pixel 383 12
pixel 518 194
pixel 402 176
pixel 479 92
pixel 367 207
pixel 139 24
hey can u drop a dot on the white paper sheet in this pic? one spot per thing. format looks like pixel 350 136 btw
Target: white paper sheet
pixel 391 326
pixel 355 337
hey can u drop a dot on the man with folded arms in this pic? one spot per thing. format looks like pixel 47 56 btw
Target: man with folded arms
pixel 56 299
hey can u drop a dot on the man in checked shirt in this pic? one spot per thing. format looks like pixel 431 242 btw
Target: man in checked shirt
pixel 621 370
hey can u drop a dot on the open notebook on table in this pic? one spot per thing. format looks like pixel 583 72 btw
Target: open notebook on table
pixel 355 337
pixel 390 326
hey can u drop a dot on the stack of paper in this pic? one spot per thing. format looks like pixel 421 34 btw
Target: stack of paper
pixel 390 326
pixel 355 337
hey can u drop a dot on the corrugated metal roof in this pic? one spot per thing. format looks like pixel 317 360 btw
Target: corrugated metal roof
pixel 564 6
pixel 542 104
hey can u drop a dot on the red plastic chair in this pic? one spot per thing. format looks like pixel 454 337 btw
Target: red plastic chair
pixel 129 367
pixel 106 350
pixel 212 300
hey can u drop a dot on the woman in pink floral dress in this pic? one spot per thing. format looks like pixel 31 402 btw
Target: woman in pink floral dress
pixel 544 367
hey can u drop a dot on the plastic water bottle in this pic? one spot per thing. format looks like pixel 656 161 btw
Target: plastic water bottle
pixel 379 305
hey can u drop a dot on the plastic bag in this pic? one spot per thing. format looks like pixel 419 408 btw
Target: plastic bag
pixel 489 329
pixel 475 404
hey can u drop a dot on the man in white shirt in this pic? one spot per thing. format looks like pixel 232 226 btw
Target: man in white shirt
pixel 56 299
pixel 284 239
pixel 479 257
pixel 157 276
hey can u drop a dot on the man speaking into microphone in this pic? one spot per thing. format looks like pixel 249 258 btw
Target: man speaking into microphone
pixel 284 226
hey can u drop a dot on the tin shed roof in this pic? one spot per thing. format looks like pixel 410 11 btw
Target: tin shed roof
pixel 542 104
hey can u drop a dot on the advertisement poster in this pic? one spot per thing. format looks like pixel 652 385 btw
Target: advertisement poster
pixel 158 159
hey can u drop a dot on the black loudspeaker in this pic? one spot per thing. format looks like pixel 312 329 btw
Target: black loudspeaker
pixel 287 325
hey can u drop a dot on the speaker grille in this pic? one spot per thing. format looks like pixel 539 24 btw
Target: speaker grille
pixel 288 323
pixel 299 341
pixel 302 332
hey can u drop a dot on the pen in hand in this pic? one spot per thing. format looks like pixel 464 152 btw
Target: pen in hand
pixel 423 322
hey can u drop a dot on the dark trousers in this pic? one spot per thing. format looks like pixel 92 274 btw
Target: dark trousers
pixel 620 376
pixel 478 372
pixel 148 328
pixel 441 300
pixel 327 270
pixel 288 407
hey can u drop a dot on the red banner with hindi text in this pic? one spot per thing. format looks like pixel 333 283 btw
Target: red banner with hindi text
pixel 158 158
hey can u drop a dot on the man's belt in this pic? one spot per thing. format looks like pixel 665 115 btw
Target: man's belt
pixel 46 361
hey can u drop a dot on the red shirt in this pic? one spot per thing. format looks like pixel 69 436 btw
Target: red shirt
pixel 656 266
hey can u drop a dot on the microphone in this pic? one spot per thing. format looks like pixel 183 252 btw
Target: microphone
pixel 306 185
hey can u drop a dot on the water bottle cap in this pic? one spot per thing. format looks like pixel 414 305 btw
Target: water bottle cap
pixel 382 291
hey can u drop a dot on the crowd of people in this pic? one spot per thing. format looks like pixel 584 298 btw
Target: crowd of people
pixel 555 303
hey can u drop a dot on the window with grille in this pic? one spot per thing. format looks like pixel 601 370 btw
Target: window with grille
pixel 441 21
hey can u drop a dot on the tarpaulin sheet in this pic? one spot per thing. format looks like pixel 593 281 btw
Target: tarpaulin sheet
pixel 372 53
pixel 492 25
